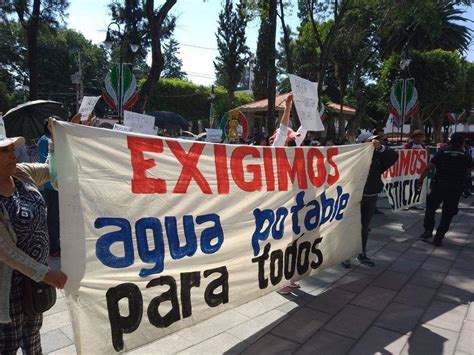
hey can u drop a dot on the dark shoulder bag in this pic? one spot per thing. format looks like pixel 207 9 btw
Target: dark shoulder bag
pixel 38 297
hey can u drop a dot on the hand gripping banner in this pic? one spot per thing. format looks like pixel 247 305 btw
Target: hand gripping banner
pixel 159 234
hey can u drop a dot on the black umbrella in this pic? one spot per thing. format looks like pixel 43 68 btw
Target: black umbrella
pixel 27 119
pixel 166 119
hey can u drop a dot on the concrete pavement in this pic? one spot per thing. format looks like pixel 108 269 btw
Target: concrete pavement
pixel 418 299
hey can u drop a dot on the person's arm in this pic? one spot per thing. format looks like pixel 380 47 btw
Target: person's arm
pixel 387 157
pixel 301 135
pixel 15 258
pixel 419 182
pixel 282 131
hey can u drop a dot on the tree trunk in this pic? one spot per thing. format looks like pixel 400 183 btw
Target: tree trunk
pixel 31 27
pixel 416 122
pixel 286 40
pixel 361 107
pixel 155 21
pixel 271 88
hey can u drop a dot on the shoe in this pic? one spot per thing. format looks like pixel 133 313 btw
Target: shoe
pixel 284 291
pixel 437 241
pixel 363 259
pixel 378 212
pixel 294 285
pixel 346 264
pixel 426 235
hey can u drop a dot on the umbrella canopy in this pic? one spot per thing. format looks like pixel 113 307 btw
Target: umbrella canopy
pixel 165 119
pixel 27 119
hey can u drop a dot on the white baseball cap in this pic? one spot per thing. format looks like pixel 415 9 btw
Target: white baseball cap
pixel 16 141
pixel 365 136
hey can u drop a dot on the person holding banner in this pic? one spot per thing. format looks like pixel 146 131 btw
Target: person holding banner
pixel 24 248
pixel 50 195
pixel 451 165
pixel 285 136
pixel 382 159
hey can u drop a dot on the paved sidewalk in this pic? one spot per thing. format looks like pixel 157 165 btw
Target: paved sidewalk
pixel 417 300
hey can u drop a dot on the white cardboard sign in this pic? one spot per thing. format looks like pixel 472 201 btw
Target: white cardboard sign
pixel 305 97
pixel 87 105
pixel 139 123
pixel 121 128
pixel 214 135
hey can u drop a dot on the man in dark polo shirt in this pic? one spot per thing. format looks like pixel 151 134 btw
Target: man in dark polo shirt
pixel 451 164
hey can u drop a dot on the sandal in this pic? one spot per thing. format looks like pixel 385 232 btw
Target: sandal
pixel 284 291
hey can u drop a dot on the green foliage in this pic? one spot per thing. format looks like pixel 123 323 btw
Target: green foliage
pixel 191 100
pixel 131 16
pixel 438 76
pixel 4 100
pixel 233 52
pixel 173 65
pixel 426 25
pixel 58 61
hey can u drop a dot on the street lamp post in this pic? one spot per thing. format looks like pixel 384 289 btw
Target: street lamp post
pixel 404 63
pixel 212 96
pixel 108 45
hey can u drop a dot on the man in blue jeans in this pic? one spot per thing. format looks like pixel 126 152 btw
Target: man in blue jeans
pixel 50 196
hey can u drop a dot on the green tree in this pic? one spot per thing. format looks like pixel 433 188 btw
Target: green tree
pixel 441 79
pixel 428 24
pixel 260 82
pixel 31 15
pixel 59 48
pixel 233 52
pixel 173 65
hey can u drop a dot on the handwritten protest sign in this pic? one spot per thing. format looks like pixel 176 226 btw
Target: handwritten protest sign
pixel 159 234
pixel 121 128
pixel 87 106
pixel 399 180
pixel 139 123
pixel 213 135
pixel 305 98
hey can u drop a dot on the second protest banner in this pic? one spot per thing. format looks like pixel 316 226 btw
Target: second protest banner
pixel 399 181
pixel 159 234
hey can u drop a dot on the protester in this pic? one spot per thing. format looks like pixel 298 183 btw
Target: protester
pixel 469 151
pixel 50 195
pixel 417 140
pixel 260 139
pixel 451 164
pixel 382 159
pixel 24 248
pixel 285 136
pixel 382 139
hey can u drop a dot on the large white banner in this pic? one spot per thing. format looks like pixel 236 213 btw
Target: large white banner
pixel 399 180
pixel 159 234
